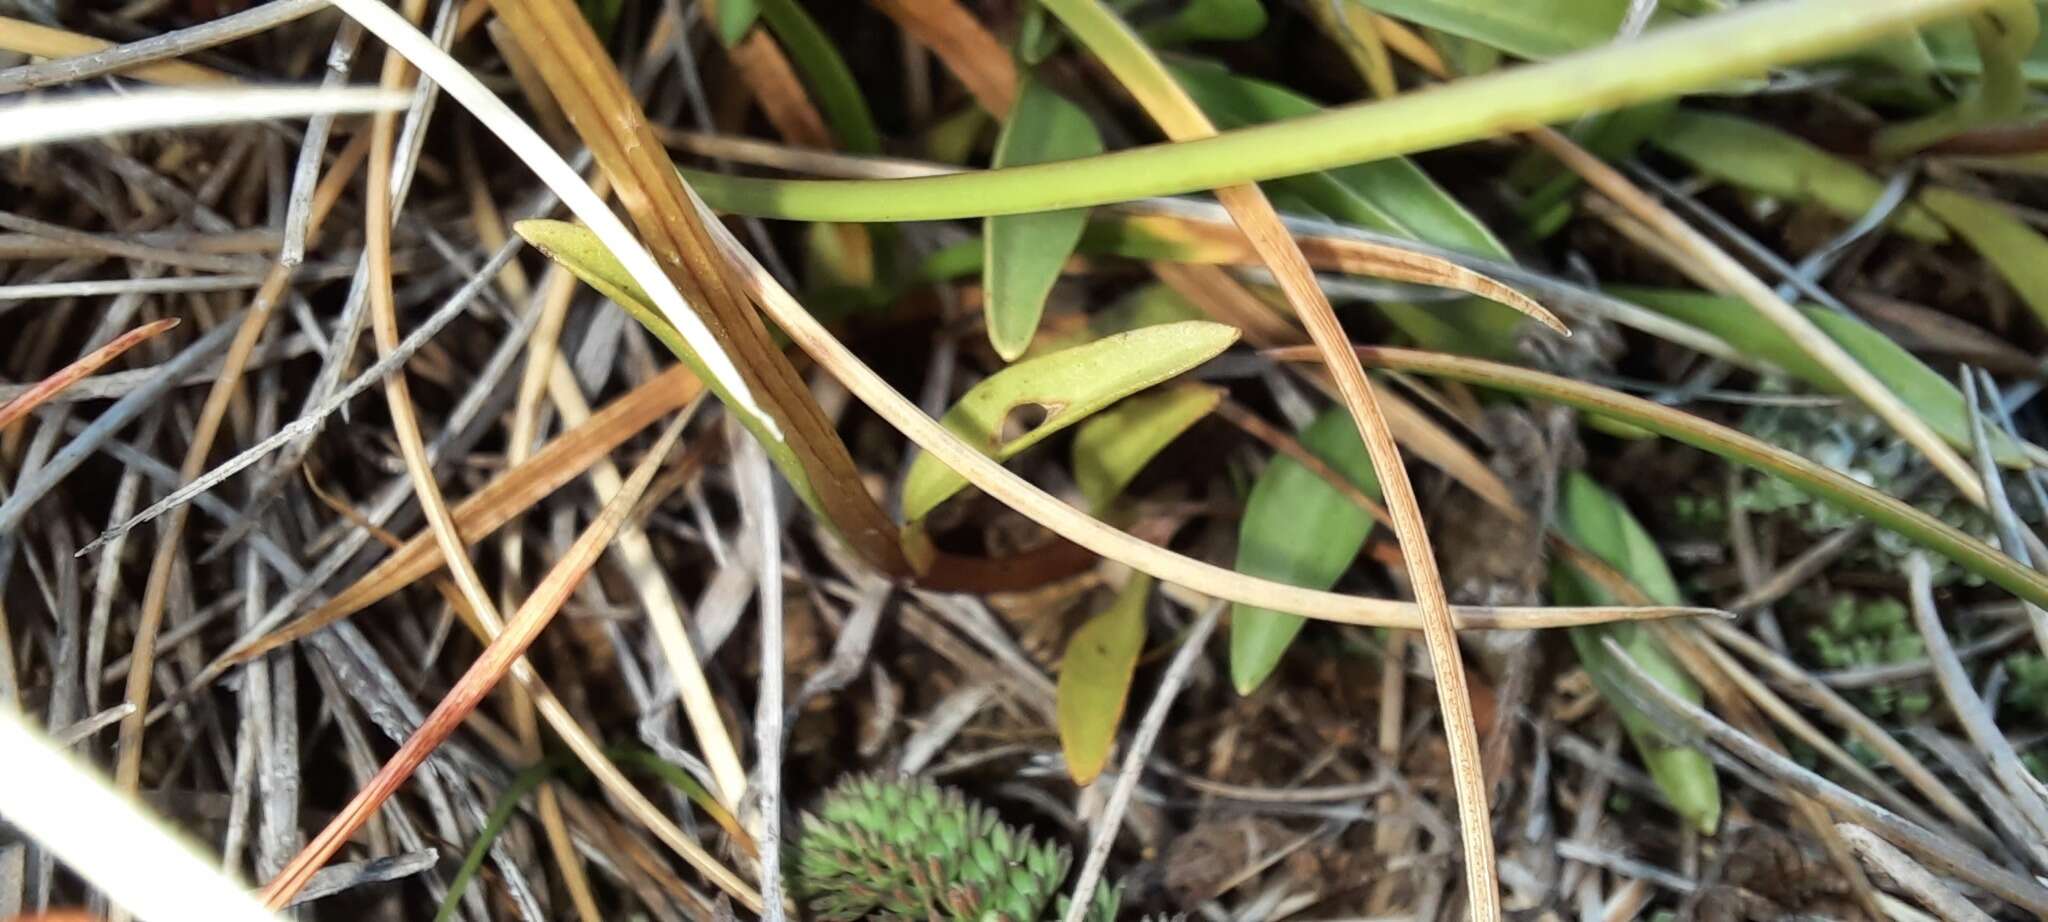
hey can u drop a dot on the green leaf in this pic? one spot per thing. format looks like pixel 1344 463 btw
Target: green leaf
pixel 1598 521
pixel 824 73
pixel 1763 159
pixel 1113 446
pixel 1822 483
pixel 1095 679
pixel 1070 385
pixel 1922 389
pixel 1524 28
pixel 578 250
pixel 1392 196
pixel 733 18
pixel 2016 251
pixel 1027 252
pixel 1297 529
pixel 1209 20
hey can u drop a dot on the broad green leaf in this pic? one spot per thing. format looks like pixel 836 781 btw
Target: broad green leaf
pixel 1070 386
pixel 1095 679
pixel 1113 446
pixel 824 73
pixel 1392 196
pixel 1524 28
pixel 577 249
pixel 1598 521
pixel 1026 252
pixel 1733 320
pixel 1763 159
pixel 1209 20
pixel 1822 483
pixel 733 18
pixel 2018 252
pixel 1297 529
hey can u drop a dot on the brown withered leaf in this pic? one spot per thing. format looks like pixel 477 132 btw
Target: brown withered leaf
pixel 610 121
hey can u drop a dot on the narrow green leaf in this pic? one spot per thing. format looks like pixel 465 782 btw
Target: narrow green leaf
pixel 1095 679
pixel 2016 251
pixel 578 250
pixel 1524 28
pixel 1209 20
pixel 1027 252
pixel 1822 483
pixel 825 75
pixel 1921 388
pixel 1297 529
pixel 1757 157
pixel 1392 195
pixel 1598 521
pixel 733 18
pixel 1070 386
pixel 1113 446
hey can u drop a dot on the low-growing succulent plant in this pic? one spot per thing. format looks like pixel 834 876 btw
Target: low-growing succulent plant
pixel 909 849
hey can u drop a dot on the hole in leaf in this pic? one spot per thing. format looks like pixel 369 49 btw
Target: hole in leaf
pixel 1022 419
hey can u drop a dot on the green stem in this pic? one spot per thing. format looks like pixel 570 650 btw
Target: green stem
pixel 1671 60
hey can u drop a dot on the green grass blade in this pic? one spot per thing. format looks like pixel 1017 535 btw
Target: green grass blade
pixel 1921 388
pixel 1070 385
pixel 578 250
pixel 1095 679
pixel 1598 521
pixel 1829 486
pixel 1297 529
pixel 1671 60
pixel 1027 252
pixel 1760 158
pixel 825 74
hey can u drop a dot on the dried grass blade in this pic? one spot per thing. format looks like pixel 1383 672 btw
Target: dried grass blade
pixel 76 371
pixel 608 118
pixel 506 496
pixel 490 667
pixel 1141 72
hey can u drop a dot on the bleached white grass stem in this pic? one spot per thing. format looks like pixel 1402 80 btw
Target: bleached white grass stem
pixel 66 807
pixel 555 172
pixel 77 117
pixel 757 485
